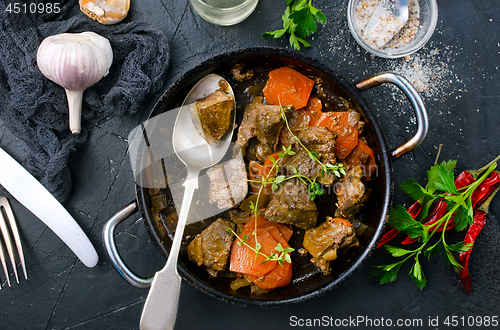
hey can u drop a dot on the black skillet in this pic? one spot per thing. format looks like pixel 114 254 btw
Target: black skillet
pixel 308 281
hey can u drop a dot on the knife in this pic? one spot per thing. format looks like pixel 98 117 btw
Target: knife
pixel 36 198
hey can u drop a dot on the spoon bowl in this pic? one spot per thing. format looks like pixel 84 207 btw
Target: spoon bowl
pixel 196 153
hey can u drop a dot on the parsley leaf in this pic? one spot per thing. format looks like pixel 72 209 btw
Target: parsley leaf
pixel 433 250
pixel 386 273
pixel 396 251
pixel 460 247
pixel 417 274
pixel 401 220
pixel 440 177
pixel 416 191
pixel 299 20
pixel 462 218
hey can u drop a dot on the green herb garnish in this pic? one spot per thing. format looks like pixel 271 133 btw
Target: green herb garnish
pixel 299 20
pixel 459 209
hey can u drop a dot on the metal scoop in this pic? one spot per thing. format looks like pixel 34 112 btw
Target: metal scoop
pixel 387 20
pixel 160 309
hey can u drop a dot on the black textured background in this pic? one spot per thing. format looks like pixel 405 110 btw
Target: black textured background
pixel 464 56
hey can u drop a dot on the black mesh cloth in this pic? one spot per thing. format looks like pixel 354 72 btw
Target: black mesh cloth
pixel 35 109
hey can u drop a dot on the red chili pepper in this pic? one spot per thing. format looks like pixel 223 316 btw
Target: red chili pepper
pixel 413 210
pixel 485 189
pixel 470 237
pixel 478 196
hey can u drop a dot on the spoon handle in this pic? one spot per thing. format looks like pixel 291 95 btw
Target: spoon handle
pixel 160 309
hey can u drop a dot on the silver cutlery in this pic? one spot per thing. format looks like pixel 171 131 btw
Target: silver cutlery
pixel 36 198
pixel 7 240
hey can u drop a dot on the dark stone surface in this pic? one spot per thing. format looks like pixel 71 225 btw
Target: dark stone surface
pixel 463 55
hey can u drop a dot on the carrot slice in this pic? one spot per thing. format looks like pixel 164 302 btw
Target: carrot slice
pixel 243 258
pixel 345 144
pixel 268 163
pixel 287 86
pixel 341 220
pixel 285 230
pixel 281 274
pixel 363 155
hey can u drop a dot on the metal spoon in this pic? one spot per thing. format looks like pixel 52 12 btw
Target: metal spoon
pixel 387 20
pixel 160 309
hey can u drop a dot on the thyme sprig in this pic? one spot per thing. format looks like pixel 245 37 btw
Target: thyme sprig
pixel 338 169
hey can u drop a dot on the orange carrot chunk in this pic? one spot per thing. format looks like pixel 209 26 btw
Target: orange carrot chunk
pixel 268 163
pixel 280 275
pixel 362 155
pixel 287 86
pixel 345 144
pixel 243 258
pixel 341 220
pixel 285 230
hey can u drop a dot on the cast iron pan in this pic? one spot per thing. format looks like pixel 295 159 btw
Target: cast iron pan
pixel 308 281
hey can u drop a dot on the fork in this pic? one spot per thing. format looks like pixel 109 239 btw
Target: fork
pixel 4 203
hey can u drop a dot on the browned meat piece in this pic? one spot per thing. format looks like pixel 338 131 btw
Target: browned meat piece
pixel 320 140
pixel 214 113
pixel 247 126
pixel 351 193
pixel 262 121
pixel 239 75
pixel 324 241
pixel 291 204
pixel 211 248
pixel 268 125
pixel 228 183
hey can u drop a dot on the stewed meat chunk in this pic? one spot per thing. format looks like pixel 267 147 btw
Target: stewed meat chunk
pixel 239 74
pixel 214 113
pixel 324 241
pixel 291 204
pixel 211 248
pixel 262 121
pixel 320 140
pixel 247 126
pixel 228 183
pixel 351 193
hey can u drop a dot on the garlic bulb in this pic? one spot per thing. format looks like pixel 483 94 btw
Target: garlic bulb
pixel 105 11
pixel 75 61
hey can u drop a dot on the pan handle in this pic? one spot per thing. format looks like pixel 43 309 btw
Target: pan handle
pixel 108 234
pixel 416 102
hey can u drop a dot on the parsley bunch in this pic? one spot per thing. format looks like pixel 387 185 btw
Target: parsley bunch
pixel 299 20
pixel 440 186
